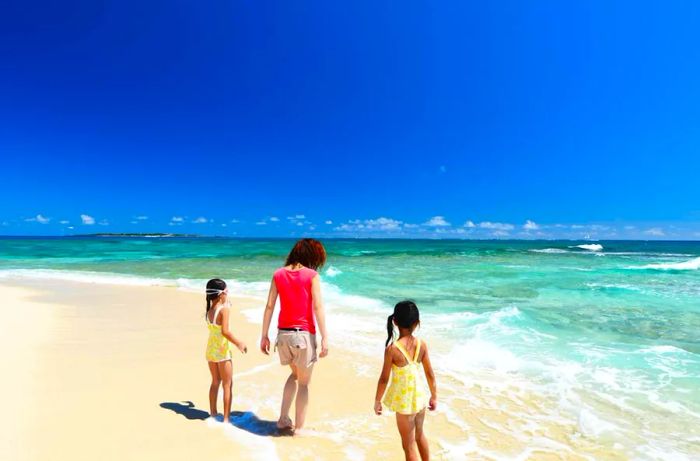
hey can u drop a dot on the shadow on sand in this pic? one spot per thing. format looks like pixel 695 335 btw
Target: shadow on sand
pixel 246 420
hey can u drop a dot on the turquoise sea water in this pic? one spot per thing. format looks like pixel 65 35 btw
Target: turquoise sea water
pixel 607 331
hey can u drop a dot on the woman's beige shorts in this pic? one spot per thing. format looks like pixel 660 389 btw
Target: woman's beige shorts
pixel 296 347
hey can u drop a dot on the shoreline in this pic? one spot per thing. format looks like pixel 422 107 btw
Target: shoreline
pixel 119 373
pixel 122 367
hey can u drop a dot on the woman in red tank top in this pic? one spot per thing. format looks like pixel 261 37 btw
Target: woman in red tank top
pixel 299 288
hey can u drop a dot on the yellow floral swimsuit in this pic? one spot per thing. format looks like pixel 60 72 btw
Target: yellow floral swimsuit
pixel 218 347
pixel 407 392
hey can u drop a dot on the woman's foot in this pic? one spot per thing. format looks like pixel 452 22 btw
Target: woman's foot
pixel 285 425
pixel 284 422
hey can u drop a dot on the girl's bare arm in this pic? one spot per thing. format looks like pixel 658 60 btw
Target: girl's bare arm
pixel 430 375
pixel 383 381
pixel 227 332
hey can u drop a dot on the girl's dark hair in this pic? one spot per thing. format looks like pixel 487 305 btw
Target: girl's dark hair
pixel 307 252
pixel 214 289
pixel 405 315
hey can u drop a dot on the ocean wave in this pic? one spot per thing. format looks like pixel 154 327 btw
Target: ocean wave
pixel 106 278
pixel 690 265
pixel 462 358
pixel 332 272
pixel 550 250
pixel 236 287
pixel 612 286
pixel 589 246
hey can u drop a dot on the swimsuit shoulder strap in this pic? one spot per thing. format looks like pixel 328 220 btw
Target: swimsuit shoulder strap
pixel 415 358
pixel 403 351
pixel 216 313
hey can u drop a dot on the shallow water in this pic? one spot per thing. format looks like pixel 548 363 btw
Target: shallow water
pixel 597 343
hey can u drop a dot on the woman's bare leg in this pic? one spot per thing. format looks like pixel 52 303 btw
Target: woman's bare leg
pixel 421 439
pixel 290 391
pixel 226 373
pixel 302 400
pixel 214 387
pixel 407 429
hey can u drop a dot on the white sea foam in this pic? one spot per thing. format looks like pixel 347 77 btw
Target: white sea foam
pixel 589 246
pixel 332 272
pixel 475 354
pixel 250 289
pixel 257 447
pixel 690 265
pixel 550 250
pixel 85 277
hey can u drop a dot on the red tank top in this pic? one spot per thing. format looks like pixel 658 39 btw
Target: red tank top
pixel 294 288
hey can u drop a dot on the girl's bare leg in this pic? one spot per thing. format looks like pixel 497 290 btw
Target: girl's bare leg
pixel 226 373
pixel 407 429
pixel 421 439
pixel 213 388
pixel 289 393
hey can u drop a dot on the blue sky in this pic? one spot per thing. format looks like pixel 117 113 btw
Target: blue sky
pixel 457 119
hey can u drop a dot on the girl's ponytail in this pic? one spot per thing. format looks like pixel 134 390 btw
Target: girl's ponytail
pixel 389 329
pixel 405 315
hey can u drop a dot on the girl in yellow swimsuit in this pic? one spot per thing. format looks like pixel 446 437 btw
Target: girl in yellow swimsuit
pixel 219 345
pixel 407 395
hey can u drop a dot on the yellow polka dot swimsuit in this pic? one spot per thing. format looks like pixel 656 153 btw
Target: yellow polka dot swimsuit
pixel 218 347
pixel 407 392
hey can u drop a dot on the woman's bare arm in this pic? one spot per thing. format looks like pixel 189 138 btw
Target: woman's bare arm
pixel 320 313
pixel 267 318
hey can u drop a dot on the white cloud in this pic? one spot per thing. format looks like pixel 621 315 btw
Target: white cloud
pixel 39 218
pixel 655 232
pixel 64 222
pixel 530 225
pixel 499 226
pixel 274 218
pixel 235 221
pixel 104 222
pixel 379 224
pixel 201 220
pixel 296 217
pixel 223 224
pixel 141 218
pixel 87 219
pixel 261 223
pixel 177 219
pixel 437 221
pixel 329 222
pixel 470 224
